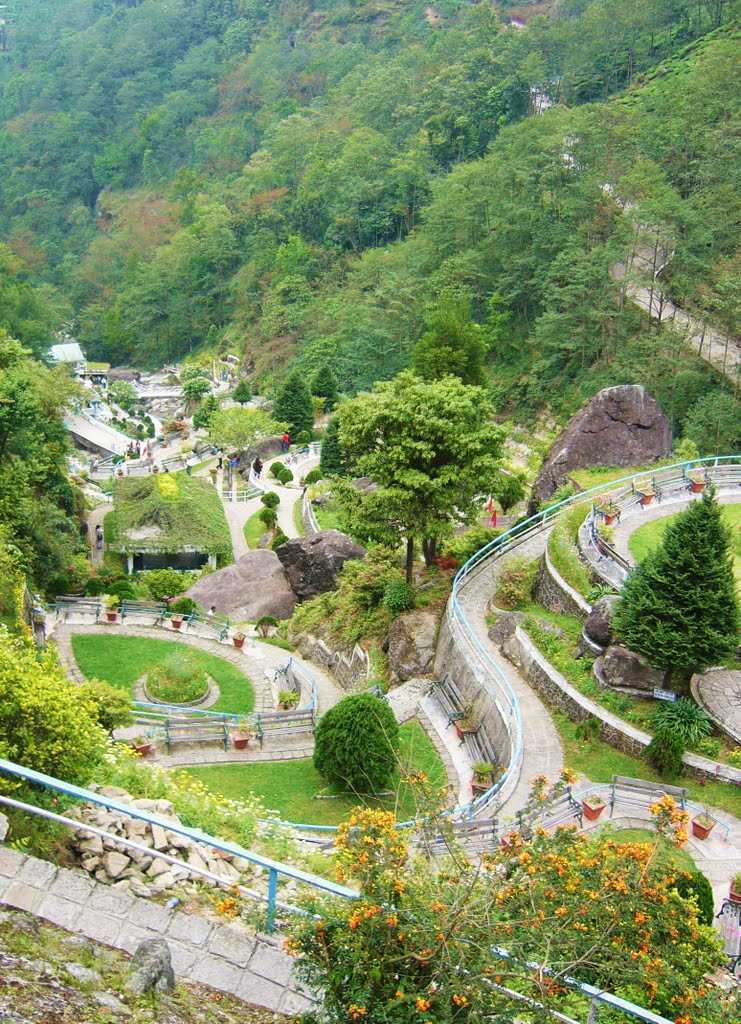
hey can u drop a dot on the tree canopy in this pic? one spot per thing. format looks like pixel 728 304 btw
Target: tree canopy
pixel 238 429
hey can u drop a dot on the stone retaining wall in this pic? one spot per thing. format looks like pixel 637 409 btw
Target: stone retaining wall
pixel 557 691
pixel 227 957
pixel 350 667
pixel 554 593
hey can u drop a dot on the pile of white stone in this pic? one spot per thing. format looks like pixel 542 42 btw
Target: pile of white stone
pixel 138 871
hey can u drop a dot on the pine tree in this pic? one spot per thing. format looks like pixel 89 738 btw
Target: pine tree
pixel 331 463
pixel 679 607
pixel 324 385
pixel 294 406
pixel 204 413
pixel 242 392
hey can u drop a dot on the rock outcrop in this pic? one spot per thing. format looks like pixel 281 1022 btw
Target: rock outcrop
pixel 623 669
pixel 620 426
pixel 504 626
pixel 267 448
pixel 411 645
pixel 255 585
pixel 152 968
pixel 313 563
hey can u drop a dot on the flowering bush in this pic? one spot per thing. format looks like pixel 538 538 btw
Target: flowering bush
pixel 415 947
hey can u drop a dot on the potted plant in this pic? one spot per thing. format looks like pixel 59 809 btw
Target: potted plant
pixel 697 481
pixel 288 699
pixel 266 625
pixel 593 805
pixel 702 825
pixel 242 734
pixel 482 776
pixel 238 640
pixel 142 746
pixel 467 723
pixel 608 509
pixel 111 602
pixel 183 606
pixel 645 492
pixel 734 893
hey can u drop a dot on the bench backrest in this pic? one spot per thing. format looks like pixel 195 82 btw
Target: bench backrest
pixel 646 786
pixel 285 717
pixel 218 724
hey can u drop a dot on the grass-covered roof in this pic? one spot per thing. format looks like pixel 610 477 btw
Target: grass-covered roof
pixel 168 512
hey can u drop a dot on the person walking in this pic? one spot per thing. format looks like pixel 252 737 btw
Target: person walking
pixel 257 467
pixel 99 537
pixel 285 441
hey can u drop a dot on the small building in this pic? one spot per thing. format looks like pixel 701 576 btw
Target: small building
pixel 68 353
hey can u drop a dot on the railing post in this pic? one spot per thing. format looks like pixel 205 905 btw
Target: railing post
pixel 272 895
pixel 593 1008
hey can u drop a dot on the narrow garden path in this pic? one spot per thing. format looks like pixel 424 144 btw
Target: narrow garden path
pixel 95 518
pixel 636 518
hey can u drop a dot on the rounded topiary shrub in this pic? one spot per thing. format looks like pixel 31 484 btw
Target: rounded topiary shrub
pixel 695 884
pixel 267 517
pixel 313 476
pixel 286 475
pixel 276 468
pixel 179 679
pixel 398 597
pixel 270 499
pixel 183 606
pixel 356 744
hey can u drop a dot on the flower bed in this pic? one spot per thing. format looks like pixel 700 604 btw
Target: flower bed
pixel 179 679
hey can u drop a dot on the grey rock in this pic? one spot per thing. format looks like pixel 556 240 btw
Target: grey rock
pixel 267 449
pixel 84 974
pixel 364 485
pixel 312 563
pixel 504 626
pixel 623 669
pixel 114 863
pixel 598 625
pixel 152 968
pixel 110 1002
pixel 4 826
pixel 411 645
pixel 620 426
pixel 255 585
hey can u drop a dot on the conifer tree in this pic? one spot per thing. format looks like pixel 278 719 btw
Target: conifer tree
pixel 204 413
pixel 679 607
pixel 294 406
pixel 331 463
pixel 324 385
pixel 242 392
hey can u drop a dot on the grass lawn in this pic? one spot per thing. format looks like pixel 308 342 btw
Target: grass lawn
pixel 593 476
pixel 599 762
pixel 563 549
pixel 327 517
pixel 254 528
pixel 289 787
pixel 666 854
pixel 121 660
pixel 649 536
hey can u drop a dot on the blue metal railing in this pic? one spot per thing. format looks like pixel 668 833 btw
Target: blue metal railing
pixel 273 867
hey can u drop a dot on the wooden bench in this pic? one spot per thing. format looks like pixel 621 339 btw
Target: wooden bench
pixel 154 611
pixel 201 731
pixel 284 723
pixel 480 747
pixel 643 792
pixel 82 605
pixel 565 809
pixel 450 698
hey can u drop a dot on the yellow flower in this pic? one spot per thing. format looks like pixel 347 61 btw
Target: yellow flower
pixel 422 1004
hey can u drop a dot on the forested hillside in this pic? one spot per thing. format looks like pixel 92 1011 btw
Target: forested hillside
pixel 297 179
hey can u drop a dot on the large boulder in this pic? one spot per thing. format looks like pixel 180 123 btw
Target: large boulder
pixel 623 669
pixel 152 968
pixel 598 624
pixel 255 585
pixel 267 448
pixel 411 645
pixel 312 563
pixel 620 426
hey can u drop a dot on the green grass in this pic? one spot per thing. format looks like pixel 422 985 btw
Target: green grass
pixel 593 476
pixel 327 516
pixel 298 521
pixel 599 762
pixel 562 547
pixel 649 536
pixel 121 660
pixel 254 528
pixel 666 854
pixel 289 787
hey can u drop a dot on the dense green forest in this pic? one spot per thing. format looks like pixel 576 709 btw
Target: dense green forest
pixel 295 180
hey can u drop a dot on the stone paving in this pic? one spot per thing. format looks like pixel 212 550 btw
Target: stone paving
pixel 719 691
pixel 225 956
pixel 634 518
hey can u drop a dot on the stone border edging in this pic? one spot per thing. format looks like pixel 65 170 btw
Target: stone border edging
pixel 556 690
pixel 577 602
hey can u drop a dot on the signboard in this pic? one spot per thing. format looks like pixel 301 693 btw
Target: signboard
pixel 669 695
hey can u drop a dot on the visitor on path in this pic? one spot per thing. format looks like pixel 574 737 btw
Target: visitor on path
pixel 99 537
pixel 285 441
pixel 220 462
pixel 210 613
pixel 257 467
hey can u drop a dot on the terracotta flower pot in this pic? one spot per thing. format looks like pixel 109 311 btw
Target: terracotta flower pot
pixel 143 749
pixel 700 831
pixel 610 518
pixel 240 740
pixel 112 616
pixel 646 499
pixel 734 895
pixel 697 486
pixel 238 641
pixel 592 812
pixel 176 623
pixel 480 786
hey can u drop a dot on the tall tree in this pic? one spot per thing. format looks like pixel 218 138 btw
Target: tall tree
pixel 205 412
pixel 294 406
pixel 431 449
pixel 452 343
pixel 324 385
pixel 238 429
pixel 679 607
pixel 242 392
pixel 331 462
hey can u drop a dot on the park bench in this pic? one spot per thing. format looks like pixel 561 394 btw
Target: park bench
pixel 284 723
pixel 476 834
pixel 641 791
pixel 450 698
pixel 68 605
pixel 143 609
pixel 565 809
pixel 200 731
pixel 479 746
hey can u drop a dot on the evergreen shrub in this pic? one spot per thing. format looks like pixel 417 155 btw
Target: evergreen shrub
pixel 267 517
pixel 112 705
pixel 515 583
pixel 356 744
pixel 313 476
pixel 270 499
pixel 179 679
pixel 398 597
pixel 278 540
pixel 183 606
pixel 665 752
pixel 695 884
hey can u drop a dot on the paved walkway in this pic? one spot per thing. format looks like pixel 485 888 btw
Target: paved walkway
pixel 636 517
pixel 542 746
pixel 225 956
pixel 95 518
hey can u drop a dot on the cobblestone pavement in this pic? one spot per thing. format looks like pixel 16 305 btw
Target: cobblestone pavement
pixel 227 957
pixel 719 691
pixel 542 746
pixel 636 517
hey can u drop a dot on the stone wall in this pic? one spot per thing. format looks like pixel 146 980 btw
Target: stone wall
pixel 558 692
pixel 553 592
pixel 349 666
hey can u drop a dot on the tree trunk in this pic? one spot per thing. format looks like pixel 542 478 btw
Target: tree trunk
pixel 410 560
pixel 429 549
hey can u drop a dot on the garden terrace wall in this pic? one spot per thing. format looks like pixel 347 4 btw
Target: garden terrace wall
pixel 559 693
pixel 553 592
pixel 349 666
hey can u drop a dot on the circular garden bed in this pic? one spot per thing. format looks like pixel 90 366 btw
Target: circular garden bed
pixel 178 679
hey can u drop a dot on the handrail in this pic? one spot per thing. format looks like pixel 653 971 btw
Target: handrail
pixel 273 867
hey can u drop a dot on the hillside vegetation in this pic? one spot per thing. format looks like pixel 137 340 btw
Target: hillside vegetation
pixel 297 179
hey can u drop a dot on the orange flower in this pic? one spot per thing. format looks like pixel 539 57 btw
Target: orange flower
pixel 356 1012
pixel 460 1000
pixel 422 1004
